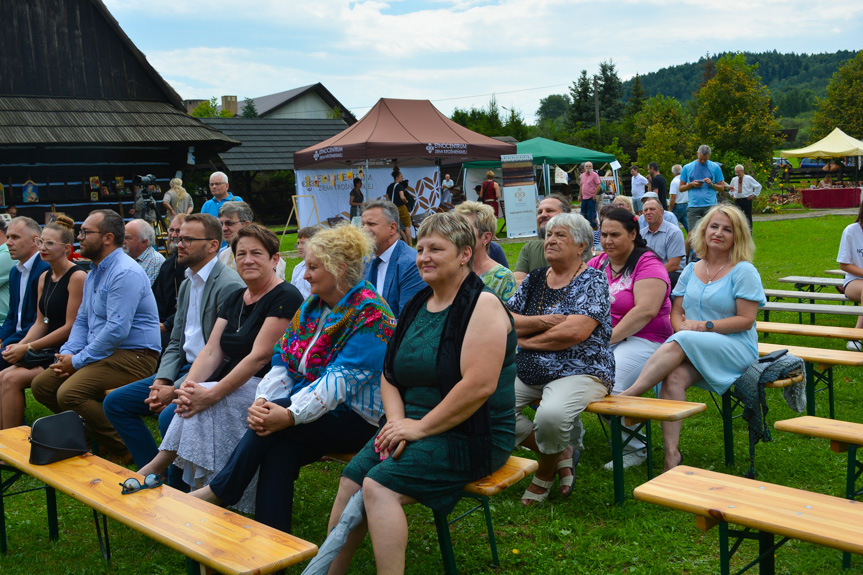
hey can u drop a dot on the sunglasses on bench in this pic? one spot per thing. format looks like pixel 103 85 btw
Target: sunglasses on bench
pixel 132 484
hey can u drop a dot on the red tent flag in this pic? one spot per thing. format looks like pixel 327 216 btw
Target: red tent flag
pixel 403 130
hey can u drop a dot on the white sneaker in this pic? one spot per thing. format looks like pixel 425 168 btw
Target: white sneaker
pixel 854 345
pixel 630 459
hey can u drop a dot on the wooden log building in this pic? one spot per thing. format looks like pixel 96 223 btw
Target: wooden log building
pixel 82 112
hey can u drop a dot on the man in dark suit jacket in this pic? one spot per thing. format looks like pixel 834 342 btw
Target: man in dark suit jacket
pixel 21 237
pixel 393 270
pixel 208 281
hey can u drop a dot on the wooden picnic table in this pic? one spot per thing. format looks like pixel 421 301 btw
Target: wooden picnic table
pixel 812 282
pixel 208 535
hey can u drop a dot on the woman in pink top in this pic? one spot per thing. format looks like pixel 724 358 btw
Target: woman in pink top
pixel 640 309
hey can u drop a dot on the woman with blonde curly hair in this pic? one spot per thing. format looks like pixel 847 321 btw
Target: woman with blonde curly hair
pixel 322 394
pixel 177 200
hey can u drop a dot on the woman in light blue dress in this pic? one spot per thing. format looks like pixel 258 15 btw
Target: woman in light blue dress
pixel 713 316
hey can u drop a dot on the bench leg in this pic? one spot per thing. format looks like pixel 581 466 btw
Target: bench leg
pixel 810 388
pixel 724 553
pixel 104 545
pixel 617 459
pixel 443 539
pixel 491 540
pixel 195 568
pixel 728 427
pixel 2 514
pixel 51 505
pixel 767 564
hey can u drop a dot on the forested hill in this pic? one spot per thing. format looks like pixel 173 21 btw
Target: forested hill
pixel 793 79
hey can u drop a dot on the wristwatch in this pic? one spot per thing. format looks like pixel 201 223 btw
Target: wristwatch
pixel 708 325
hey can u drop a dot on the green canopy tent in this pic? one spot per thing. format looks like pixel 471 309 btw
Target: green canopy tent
pixel 546 152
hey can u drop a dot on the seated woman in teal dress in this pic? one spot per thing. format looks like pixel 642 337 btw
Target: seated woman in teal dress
pixel 448 397
pixel 713 316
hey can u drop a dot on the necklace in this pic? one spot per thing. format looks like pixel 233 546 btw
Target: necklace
pixel 719 271
pixel 254 305
pixel 562 292
pixel 615 272
pixel 52 287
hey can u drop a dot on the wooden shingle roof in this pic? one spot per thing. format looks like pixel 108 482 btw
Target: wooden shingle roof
pixel 44 120
pixel 269 144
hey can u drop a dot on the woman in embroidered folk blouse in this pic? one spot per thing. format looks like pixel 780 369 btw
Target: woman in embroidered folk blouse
pixel 447 391
pixel 322 394
pixel 562 316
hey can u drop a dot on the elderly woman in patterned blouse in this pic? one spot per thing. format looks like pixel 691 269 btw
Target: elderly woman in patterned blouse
pixel 563 321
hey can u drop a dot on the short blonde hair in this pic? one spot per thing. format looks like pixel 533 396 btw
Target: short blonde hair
pixel 625 200
pixel 342 245
pixel 489 175
pixel 743 249
pixel 484 214
pixel 452 227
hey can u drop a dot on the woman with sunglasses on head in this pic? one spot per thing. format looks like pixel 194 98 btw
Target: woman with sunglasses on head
pixel 60 291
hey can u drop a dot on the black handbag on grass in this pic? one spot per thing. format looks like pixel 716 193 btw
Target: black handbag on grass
pixel 57 437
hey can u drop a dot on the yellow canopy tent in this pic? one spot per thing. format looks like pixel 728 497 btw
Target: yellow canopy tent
pixel 835 145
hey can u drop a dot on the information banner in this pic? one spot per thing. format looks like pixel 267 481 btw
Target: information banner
pixel 330 191
pixel 519 195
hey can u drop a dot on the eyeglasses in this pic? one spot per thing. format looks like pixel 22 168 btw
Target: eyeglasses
pixel 48 244
pixel 187 241
pixel 84 233
pixel 218 183
pixel 230 223
pixel 173 230
pixel 131 485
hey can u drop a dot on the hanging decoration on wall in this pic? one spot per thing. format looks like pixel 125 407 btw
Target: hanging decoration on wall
pixel 94 196
pixel 120 184
pixel 2 195
pixel 95 184
pixel 30 192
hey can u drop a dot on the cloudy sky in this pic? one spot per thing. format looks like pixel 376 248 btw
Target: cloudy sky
pixel 457 53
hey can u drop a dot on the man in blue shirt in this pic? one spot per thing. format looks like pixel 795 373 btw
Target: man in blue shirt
pixel 221 194
pixel 115 338
pixel 702 179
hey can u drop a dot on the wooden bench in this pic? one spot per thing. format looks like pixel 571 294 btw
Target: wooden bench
pixel 844 437
pixel 212 538
pixel 638 412
pixel 810 308
pixel 829 331
pixel 819 365
pixel 513 471
pixel 835 273
pixel 812 296
pixel 717 498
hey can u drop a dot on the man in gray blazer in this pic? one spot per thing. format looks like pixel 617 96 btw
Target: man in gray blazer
pixel 393 270
pixel 208 282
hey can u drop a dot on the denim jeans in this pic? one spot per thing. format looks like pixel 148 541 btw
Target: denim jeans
pixel 588 210
pixel 680 211
pixel 125 409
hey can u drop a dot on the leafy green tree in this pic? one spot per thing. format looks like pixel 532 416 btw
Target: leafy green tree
pixel 485 121
pixel 666 133
pixel 734 113
pixel 553 108
pixel 843 106
pixel 249 109
pixel 208 109
pixel 581 111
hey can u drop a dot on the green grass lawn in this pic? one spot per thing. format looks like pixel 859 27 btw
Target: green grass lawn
pixel 583 534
